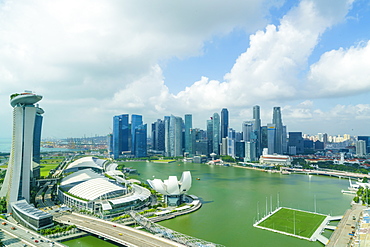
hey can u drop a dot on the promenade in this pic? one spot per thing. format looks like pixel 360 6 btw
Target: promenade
pixel 341 237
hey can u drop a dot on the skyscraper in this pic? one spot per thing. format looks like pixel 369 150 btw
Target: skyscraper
pixel 158 135
pixel 37 141
pixel 247 129
pixel 175 136
pixel 224 122
pixel 26 132
pixel 216 133
pixel 136 121
pixel 187 134
pixel 257 128
pixel 360 148
pixel 271 132
pixel 140 141
pixel 276 120
pixel 210 135
pixel 121 135
pixel 296 140
pixel 231 143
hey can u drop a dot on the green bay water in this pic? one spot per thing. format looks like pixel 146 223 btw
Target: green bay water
pixel 232 195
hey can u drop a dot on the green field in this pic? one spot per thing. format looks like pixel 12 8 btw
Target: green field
pixel 294 222
pixel 49 163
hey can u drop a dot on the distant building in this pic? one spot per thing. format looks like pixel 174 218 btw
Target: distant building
pixel 175 136
pixel 210 136
pixel 250 151
pixel 216 133
pixel 121 135
pixel 240 149
pixel 271 130
pixel 257 128
pixel 158 135
pixel 295 140
pixel 367 141
pixel 140 143
pixel 224 123
pixel 136 121
pixel 279 140
pixel 20 175
pixel 274 160
pixel 26 133
pixel 231 142
pixel 187 134
pixel 360 148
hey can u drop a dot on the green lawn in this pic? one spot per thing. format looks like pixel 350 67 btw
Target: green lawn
pixel 45 169
pixel 294 222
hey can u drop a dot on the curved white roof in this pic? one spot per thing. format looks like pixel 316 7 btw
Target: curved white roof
pixel 140 193
pixel 80 176
pixel 91 162
pixel 172 186
pixel 95 188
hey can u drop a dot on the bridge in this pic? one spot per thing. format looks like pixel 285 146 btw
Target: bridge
pixel 170 234
pixel 338 174
pixel 121 234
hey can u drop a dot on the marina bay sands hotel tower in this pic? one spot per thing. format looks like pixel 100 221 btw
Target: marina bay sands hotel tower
pixel 25 150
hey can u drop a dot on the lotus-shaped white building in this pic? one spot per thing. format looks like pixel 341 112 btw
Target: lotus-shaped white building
pixel 172 189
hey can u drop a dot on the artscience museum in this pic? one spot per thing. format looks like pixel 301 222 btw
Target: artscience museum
pixel 173 190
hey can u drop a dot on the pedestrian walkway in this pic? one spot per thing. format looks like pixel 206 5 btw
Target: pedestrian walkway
pixel 341 236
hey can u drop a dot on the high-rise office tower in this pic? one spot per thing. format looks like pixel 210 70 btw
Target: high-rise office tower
pixel 216 133
pixel 247 129
pixel 295 140
pixel 366 139
pixel 121 135
pixel 257 128
pixel 175 136
pixel 271 133
pixel 360 148
pixel 187 134
pixel 276 119
pixel 26 131
pixel 136 121
pixel 140 141
pixel 210 135
pixel 167 120
pixel 231 142
pixel 224 122
pixel 250 151
pixel 158 135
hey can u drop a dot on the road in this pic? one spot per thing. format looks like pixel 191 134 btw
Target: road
pixel 22 236
pixel 125 234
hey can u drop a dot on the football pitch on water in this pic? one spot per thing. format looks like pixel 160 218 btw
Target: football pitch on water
pixel 295 222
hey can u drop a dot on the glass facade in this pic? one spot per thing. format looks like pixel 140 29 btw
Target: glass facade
pixel 120 135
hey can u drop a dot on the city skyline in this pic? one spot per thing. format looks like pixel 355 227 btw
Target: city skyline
pixel 308 57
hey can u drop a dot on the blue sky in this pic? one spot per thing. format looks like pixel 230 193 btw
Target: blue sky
pixel 103 58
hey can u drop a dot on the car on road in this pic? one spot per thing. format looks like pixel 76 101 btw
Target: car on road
pixel 120 234
pixel 36 241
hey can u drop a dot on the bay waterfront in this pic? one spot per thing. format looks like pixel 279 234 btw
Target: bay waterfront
pixel 232 198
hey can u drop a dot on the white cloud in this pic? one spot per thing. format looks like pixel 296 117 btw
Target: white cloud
pixel 269 69
pixel 94 59
pixel 342 72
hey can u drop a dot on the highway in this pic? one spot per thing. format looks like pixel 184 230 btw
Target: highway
pixel 22 236
pixel 118 233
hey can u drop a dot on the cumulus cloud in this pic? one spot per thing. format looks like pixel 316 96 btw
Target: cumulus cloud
pixel 100 58
pixel 342 72
pixel 269 69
